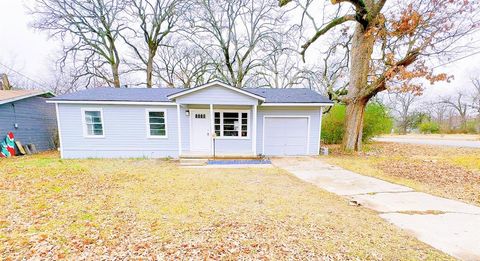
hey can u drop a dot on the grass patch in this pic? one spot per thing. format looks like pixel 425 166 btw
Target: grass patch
pixel 52 208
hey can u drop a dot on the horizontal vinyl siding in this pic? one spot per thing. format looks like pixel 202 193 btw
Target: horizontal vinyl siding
pixel 125 130
pixel 217 95
pixel 36 122
pixel 233 146
pixel 313 112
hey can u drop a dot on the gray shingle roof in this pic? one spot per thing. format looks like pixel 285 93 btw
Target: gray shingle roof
pixel 292 95
pixel 120 94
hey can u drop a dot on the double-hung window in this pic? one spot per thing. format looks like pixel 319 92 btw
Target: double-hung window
pixel 231 124
pixel 93 123
pixel 157 126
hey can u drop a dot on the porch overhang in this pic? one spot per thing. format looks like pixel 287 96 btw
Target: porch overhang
pixel 215 83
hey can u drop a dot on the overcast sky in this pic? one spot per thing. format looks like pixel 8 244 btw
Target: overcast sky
pixel 30 52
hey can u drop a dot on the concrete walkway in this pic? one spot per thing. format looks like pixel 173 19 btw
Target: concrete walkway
pixel 448 225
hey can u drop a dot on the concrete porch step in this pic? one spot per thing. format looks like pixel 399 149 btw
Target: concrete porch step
pixel 245 157
pixel 193 161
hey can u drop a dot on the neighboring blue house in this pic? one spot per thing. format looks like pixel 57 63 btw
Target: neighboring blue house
pixel 29 117
pixel 174 122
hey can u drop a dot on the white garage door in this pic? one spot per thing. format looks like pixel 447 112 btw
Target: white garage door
pixel 286 136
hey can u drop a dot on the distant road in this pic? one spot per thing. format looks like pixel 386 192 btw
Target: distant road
pixel 438 142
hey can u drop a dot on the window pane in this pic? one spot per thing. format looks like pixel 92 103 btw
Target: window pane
pixel 92 113
pixel 244 134
pixel 93 120
pixel 157 123
pixel 98 132
pixel 158 114
pixel 233 115
pixel 157 126
pixel 157 120
pixel 94 129
pixel 157 132
pixel 230 133
pixel 228 127
pixel 244 115
pixel 92 117
pixel 229 121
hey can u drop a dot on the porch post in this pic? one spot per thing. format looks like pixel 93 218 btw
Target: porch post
pixel 212 128
pixel 254 130
pixel 179 124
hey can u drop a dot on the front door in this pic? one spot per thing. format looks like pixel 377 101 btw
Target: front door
pixel 200 130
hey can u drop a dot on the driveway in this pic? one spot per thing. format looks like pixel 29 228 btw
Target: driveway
pixel 439 142
pixel 448 225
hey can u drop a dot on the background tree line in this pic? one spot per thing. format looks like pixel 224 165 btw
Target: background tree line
pixel 367 47
pixel 458 112
pixel 174 42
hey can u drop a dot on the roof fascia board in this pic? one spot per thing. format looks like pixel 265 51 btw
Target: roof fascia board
pixel 295 104
pixel 25 97
pixel 111 102
pixel 201 87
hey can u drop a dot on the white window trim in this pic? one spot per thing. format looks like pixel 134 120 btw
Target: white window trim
pixel 249 119
pixel 286 116
pixel 84 123
pixel 147 121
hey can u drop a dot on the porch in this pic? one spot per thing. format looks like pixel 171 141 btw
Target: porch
pixel 217 131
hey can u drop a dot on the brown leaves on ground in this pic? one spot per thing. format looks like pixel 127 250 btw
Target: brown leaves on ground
pixel 438 177
pixel 150 209
pixel 445 171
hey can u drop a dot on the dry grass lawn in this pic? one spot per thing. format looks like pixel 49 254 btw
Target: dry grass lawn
pixel 445 171
pixel 139 208
pixel 473 137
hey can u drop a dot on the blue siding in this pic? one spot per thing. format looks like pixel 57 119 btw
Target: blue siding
pixel 126 132
pixel 233 146
pixel 36 121
pixel 217 95
pixel 125 129
pixel 313 112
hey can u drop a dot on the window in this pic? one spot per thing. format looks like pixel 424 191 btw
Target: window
pixel 157 124
pixel 231 124
pixel 93 124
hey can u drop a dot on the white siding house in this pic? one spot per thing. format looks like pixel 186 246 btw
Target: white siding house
pixel 214 118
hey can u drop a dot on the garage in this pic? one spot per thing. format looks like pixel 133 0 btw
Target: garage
pixel 286 135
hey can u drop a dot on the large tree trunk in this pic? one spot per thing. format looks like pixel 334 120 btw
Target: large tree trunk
pixel 151 56
pixel 352 139
pixel 116 75
pixel 357 97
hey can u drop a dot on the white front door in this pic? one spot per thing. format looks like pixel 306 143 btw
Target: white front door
pixel 200 130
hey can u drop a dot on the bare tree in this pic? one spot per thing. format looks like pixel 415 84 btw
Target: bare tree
pixel 476 100
pixel 460 105
pixel 230 31
pixel 401 103
pixel 89 30
pixel 185 64
pixel 388 40
pixel 282 67
pixel 156 19
pixel 439 112
pixel 476 96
